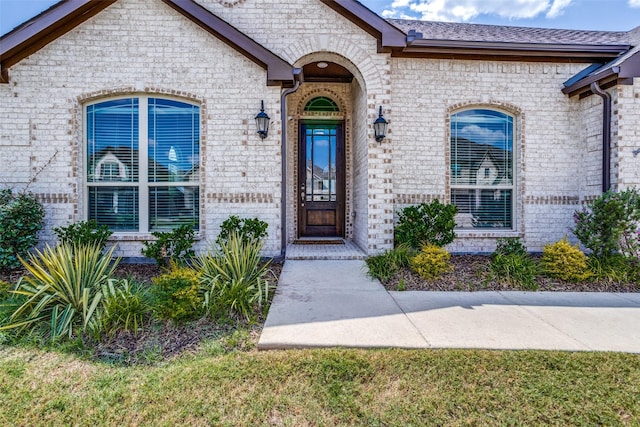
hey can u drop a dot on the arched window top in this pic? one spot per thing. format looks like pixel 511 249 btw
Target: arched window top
pixel 321 103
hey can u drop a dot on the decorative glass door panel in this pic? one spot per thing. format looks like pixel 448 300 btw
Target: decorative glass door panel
pixel 321 179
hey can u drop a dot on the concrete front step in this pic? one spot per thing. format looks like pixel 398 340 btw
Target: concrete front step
pixel 343 251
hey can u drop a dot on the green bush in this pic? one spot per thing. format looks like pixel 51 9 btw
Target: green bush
pixel 21 217
pixel 565 261
pixel 84 233
pixel 431 262
pixel 426 224
pixel 62 289
pixel 246 228
pixel 511 264
pixel 615 268
pixel 510 246
pixel 171 246
pixel 125 306
pixel 232 278
pixel 385 265
pixel 176 294
pixel 610 224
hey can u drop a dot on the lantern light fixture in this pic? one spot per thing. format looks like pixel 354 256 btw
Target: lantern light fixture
pixel 380 127
pixel 262 122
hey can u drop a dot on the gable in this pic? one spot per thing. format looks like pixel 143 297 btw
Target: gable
pixel 67 14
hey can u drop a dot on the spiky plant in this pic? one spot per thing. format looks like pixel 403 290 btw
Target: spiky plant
pixel 231 277
pixel 62 288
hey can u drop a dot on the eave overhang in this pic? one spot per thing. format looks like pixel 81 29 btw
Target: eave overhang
pixel 389 37
pixel 36 33
pixel 509 51
pixel 619 71
pixel 67 14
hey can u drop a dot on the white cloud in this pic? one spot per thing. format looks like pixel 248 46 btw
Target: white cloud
pixel 634 3
pixel 466 10
pixel 482 135
pixel 557 8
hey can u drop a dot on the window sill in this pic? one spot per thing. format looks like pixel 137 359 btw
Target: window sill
pixel 487 233
pixel 139 237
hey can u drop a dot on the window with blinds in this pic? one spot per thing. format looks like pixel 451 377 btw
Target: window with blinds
pixel 482 183
pixel 142 163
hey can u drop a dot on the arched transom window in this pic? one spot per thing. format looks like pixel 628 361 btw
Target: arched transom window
pixel 321 103
pixel 482 163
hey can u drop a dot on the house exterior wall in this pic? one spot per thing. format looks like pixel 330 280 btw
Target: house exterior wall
pixel 170 56
pixel 426 91
pixel 627 135
pixel 145 47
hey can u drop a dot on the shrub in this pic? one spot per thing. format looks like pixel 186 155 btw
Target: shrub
pixel 510 246
pixel 125 305
pixel 21 217
pixel 431 262
pixel 231 278
pixel 171 246
pixel 426 224
pixel 176 294
pixel 84 233
pixel 386 265
pixel 615 268
pixel 610 225
pixel 565 262
pixel 511 264
pixel 62 289
pixel 246 228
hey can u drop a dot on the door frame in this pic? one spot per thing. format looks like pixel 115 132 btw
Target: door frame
pixel 340 203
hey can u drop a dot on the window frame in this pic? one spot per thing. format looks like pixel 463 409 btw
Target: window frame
pixel 144 183
pixel 516 142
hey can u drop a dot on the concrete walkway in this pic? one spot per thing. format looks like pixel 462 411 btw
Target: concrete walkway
pixel 328 303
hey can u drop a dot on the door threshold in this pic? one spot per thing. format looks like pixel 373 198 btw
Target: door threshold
pixel 319 241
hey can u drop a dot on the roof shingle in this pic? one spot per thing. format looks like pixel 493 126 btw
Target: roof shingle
pixel 499 33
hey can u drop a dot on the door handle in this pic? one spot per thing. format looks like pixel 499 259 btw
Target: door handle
pixel 303 194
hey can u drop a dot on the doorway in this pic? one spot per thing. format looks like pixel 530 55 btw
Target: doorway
pixel 321 178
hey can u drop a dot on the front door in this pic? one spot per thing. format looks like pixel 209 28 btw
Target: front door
pixel 321 185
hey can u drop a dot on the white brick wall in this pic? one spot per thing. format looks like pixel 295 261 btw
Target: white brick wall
pixel 144 46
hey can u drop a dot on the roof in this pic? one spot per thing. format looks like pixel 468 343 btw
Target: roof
pixel 67 14
pixel 621 70
pixel 508 34
pixel 399 37
pixel 498 42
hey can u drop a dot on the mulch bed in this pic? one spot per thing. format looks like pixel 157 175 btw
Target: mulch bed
pixel 471 273
pixel 157 340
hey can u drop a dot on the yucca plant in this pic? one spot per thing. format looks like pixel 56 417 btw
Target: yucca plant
pixel 62 288
pixel 125 305
pixel 231 278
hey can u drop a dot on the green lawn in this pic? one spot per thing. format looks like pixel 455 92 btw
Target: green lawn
pixel 323 387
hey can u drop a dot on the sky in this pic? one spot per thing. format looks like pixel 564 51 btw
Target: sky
pixel 608 15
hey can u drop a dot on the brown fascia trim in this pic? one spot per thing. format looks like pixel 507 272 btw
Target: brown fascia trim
pixel 36 33
pixel 279 71
pixel 389 37
pixel 568 52
pixel 622 73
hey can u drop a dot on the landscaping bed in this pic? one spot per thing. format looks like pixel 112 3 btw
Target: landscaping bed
pixel 472 273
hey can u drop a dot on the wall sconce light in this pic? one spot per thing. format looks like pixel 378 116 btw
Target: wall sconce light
pixel 262 122
pixel 380 127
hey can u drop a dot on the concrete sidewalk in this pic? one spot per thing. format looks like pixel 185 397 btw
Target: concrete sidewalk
pixel 328 303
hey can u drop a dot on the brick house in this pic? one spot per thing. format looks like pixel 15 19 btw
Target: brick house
pixel 516 126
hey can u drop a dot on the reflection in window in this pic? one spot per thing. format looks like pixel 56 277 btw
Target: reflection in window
pixel 321 143
pixel 482 184
pixel 166 194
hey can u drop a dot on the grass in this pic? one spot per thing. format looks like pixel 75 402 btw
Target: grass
pixel 323 387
